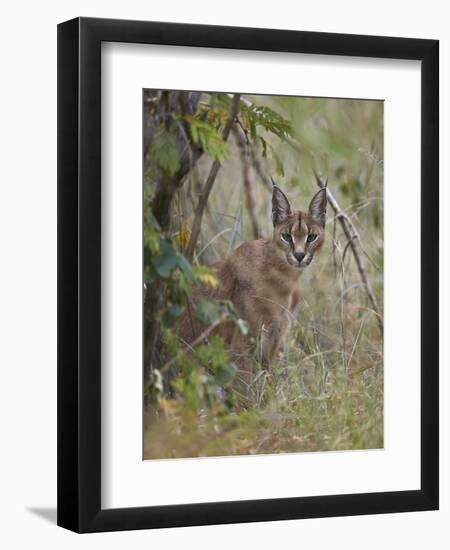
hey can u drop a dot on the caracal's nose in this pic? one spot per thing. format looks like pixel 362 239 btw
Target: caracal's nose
pixel 299 256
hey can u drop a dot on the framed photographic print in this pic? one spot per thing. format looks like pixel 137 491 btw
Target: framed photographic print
pixel 247 275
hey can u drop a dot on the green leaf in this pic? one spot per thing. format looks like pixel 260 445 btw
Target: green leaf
pixel 278 164
pixel 184 265
pixel 268 119
pixel 171 341
pixel 171 314
pixel 264 146
pixel 163 151
pixel 151 238
pixel 252 128
pixel 210 310
pixel 206 275
pixel 191 388
pixel 166 260
pixel 224 375
pixel 214 353
pixel 210 139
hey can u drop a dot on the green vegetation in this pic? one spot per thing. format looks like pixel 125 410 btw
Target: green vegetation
pixel 325 390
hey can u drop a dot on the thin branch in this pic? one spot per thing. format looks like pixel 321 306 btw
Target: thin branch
pixel 209 184
pixel 357 236
pixel 252 152
pixel 366 254
pixel 244 131
pixel 190 347
pixel 353 239
pixel 334 247
pixel 259 169
pixel 346 248
pixel 249 199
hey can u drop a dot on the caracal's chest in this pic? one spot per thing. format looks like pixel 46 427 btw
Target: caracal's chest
pixel 264 299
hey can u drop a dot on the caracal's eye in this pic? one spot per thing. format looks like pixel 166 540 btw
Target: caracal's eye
pixel 286 237
pixel 311 237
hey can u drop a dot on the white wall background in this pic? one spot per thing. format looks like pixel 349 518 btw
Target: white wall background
pixel 28 272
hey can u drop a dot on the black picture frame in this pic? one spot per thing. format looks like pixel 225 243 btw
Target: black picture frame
pixel 79 274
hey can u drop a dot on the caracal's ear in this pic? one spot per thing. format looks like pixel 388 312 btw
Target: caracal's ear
pixel 281 207
pixel 318 206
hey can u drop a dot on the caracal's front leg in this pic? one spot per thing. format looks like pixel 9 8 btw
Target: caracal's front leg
pixel 270 340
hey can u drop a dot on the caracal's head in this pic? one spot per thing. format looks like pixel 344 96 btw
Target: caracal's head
pixel 298 236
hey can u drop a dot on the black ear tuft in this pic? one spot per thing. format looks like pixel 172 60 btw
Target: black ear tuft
pixel 318 206
pixel 281 207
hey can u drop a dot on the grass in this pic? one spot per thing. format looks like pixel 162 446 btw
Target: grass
pixel 350 417
pixel 325 390
pixel 318 396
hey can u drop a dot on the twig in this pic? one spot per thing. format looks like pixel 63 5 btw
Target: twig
pixel 192 345
pixel 244 131
pixel 347 247
pixel 206 332
pixel 237 220
pixel 209 184
pixel 354 240
pixel 259 169
pixel 366 254
pixel 334 247
pixel 251 150
pixel 357 236
pixel 249 199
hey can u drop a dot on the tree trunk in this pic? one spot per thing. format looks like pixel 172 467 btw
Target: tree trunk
pixel 160 108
